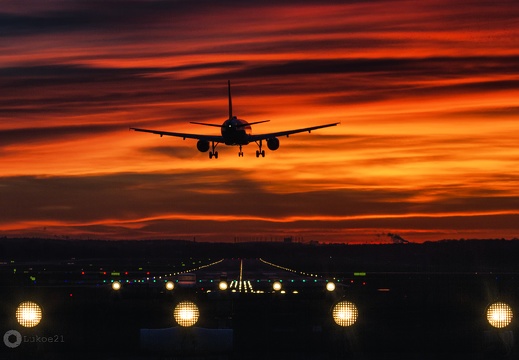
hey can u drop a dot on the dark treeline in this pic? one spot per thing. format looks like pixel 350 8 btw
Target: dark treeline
pixel 453 255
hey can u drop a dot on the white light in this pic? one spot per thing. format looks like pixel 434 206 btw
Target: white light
pixel 186 313
pixel 28 314
pixel 223 285
pixel 116 285
pixel 276 286
pixel 330 286
pixel 170 285
pixel 499 315
pixel 345 313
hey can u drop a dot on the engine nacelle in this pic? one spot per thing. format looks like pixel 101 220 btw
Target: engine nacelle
pixel 273 143
pixel 202 145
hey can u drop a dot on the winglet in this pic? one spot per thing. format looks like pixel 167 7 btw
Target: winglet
pixel 230 100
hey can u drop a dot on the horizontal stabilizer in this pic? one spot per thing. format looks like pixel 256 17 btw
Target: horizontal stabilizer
pixel 256 122
pixel 198 123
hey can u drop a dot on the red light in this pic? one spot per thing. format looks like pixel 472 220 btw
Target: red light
pixel 147 272
pixel 70 295
pixel 82 273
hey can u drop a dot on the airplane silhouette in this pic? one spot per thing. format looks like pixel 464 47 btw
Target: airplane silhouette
pixel 235 132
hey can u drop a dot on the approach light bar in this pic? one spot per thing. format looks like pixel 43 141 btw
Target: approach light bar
pixel 499 315
pixel 170 285
pixel 345 313
pixel 330 286
pixel 223 285
pixel 116 286
pixel 28 314
pixel 186 313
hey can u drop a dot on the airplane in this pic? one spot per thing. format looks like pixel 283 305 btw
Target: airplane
pixel 235 132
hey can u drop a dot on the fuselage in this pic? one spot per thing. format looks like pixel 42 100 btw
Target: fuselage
pixel 236 131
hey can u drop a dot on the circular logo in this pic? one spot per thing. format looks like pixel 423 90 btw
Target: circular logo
pixel 12 338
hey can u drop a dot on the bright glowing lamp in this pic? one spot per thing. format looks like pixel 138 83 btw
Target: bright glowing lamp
pixel 170 285
pixel 186 313
pixel 116 285
pixel 345 313
pixel 223 285
pixel 499 315
pixel 276 286
pixel 28 314
pixel 330 286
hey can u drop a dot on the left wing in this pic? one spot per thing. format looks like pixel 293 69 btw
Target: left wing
pixel 288 132
pixel 214 138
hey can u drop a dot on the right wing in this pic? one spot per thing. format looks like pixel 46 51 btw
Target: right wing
pixel 214 138
pixel 288 132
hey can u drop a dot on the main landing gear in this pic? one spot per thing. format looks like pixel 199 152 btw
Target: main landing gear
pixel 213 152
pixel 260 152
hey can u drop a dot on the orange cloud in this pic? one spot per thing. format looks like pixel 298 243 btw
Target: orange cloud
pixel 426 96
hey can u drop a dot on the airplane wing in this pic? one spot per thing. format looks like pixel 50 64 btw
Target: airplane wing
pixel 288 132
pixel 214 138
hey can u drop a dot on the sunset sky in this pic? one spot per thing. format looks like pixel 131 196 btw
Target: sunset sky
pixel 427 93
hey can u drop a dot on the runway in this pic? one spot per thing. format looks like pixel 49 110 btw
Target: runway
pixel 401 315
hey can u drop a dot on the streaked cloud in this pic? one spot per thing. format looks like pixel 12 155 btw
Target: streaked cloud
pixel 426 96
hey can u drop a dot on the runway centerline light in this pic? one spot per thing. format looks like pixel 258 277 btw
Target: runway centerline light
pixel 223 285
pixel 276 286
pixel 499 315
pixel 28 314
pixel 116 285
pixel 345 313
pixel 186 313
pixel 170 285
pixel 330 286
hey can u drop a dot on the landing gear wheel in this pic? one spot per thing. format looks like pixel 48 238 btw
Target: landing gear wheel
pixel 240 154
pixel 213 152
pixel 259 151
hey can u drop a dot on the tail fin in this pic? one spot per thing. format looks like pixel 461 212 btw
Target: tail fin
pixel 230 99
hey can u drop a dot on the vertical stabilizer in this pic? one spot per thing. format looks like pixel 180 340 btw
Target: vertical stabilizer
pixel 230 99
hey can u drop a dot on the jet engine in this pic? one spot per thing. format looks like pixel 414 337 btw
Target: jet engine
pixel 273 143
pixel 202 145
